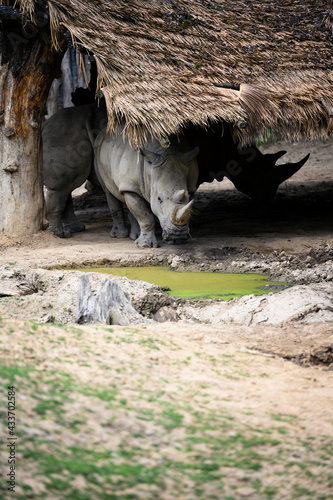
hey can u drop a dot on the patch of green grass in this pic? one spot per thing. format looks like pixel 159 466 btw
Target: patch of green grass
pixel 171 419
pixel 280 417
pixel 10 265
pixel 300 492
pixel 34 325
pixel 76 330
pixel 111 330
pixel 10 372
pixel 199 470
pixel 27 488
pixel 146 414
pixel 123 340
pixel 58 484
pixel 51 405
pixel 149 342
pixel 93 464
pixel 103 393
pixel 330 480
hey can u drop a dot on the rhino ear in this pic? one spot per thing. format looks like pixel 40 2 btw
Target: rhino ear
pixel 187 157
pixel 151 157
pixel 273 157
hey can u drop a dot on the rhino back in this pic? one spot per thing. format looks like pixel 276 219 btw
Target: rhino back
pixel 117 165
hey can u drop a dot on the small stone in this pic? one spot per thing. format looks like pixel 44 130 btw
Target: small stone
pixel 245 492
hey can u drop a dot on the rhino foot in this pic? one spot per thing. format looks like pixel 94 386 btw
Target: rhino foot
pixel 177 241
pixel 119 232
pixel 74 228
pixel 147 242
pixel 60 233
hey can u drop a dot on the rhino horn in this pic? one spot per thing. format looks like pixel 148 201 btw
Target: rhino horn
pixel 179 196
pixel 182 215
pixel 283 172
pixel 187 157
pixel 273 157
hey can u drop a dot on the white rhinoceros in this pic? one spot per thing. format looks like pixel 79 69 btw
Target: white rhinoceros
pixel 68 158
pixel 153 181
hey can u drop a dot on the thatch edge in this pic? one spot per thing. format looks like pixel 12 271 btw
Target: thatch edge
pixel 288 106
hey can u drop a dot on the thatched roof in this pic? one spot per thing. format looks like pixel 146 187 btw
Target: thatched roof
pixel 164 63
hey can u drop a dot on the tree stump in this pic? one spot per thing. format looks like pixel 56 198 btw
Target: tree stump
pixel 110 305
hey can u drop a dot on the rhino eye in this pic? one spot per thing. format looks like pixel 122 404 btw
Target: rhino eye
pixel 159 199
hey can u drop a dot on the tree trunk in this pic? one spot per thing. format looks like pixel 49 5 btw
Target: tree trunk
pixel 26 74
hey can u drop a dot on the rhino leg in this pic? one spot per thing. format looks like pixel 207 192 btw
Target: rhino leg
pixel 70 223
pixel 119 230
pixel 145 218
pixel 55 205
pixel 135 228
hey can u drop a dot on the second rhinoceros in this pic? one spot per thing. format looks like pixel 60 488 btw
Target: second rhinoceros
pixel 68 157
pixel 252 172
pixel 153 181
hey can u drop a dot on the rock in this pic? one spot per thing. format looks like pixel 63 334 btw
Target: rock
pixel 166 314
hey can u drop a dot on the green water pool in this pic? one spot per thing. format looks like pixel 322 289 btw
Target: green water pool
pixel 196 284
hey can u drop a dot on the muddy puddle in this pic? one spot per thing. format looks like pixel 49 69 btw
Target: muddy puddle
pixel 197 285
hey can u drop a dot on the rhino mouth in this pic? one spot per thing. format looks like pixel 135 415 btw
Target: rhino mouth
pixel 175 233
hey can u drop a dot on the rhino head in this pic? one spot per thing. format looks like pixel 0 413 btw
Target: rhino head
pixel 173 180
pixel 259 177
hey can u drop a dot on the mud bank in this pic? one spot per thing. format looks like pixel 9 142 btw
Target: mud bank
pixel 54 296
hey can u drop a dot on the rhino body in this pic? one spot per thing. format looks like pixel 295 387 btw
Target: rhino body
pixel 251 172
pixel 68 158
pixel 153 181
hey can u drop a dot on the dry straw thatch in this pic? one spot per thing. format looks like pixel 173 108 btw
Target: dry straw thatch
pixel 265 66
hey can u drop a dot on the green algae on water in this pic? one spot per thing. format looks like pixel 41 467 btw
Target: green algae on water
pixel 195 285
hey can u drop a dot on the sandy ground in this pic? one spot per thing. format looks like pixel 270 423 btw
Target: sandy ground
pixel 291 240
pixel 299 220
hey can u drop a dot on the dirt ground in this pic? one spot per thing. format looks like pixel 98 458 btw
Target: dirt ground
pixel 292 240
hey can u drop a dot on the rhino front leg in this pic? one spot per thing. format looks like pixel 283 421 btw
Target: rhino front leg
pixel 55 206
pixel 135 228
pixel 119 230
pixel 70 223
pixel 142 213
